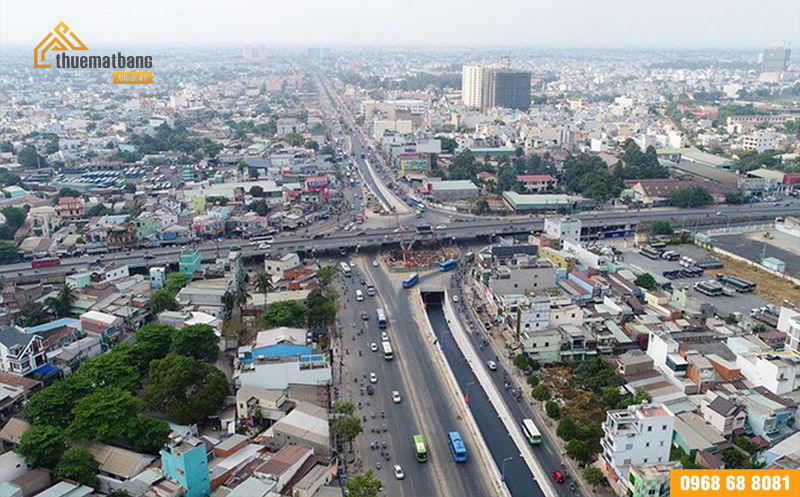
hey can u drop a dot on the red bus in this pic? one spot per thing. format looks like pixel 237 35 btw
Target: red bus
pixel 45 262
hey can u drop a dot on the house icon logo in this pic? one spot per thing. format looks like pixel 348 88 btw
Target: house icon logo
pixel 58 42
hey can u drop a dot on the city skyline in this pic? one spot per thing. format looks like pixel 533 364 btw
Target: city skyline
pixel 576 24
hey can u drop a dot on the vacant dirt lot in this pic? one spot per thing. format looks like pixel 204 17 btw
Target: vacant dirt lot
pixel 769 287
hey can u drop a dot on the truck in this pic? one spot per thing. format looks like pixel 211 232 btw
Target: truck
pixel 767 315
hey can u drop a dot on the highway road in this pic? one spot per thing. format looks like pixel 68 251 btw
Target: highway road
pixel 434 405
pixel 401 419
pixel 374 238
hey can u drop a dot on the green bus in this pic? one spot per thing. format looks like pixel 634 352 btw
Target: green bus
pixel 419 448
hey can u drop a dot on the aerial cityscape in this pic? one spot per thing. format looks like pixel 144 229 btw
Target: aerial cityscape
pixel 309 264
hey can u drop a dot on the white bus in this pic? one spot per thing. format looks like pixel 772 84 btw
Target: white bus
pixel 345 269
pixel 388 354
pixel 257 239
pixel 531 432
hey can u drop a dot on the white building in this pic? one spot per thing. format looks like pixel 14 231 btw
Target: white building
pixel 778 373
pixel 472 86
pixel 563 228
pixel 640 434
pixel 276 267
pixel 789 323
pixel 158 277
pixel 759 141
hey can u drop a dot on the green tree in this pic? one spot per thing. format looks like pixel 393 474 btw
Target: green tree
pixel 9 178
pixel 198 340
pixel 463 166
pixel 567 430
pixel 259 207
pixel 690 196
pixel 661 228
pixel 641 395
pixel 521 361
pixel 263 284
pixel 346 429
pixel 130 188
pixel 735 198
pixel 53 405
pixel 646 281
pixel 285 313
pixel 293 139
pixel 553 410
pixel 734 458
pixel 33 314
pixel 448 144
pixel 256 191
pixel 186 389
pixel 731 319
pixel 78 465
pixel 153 341
pixel 313 145
pixel 363 485
pixel 326 274
pixel 228 301
pixel 148 434
pixel 162 300
pixel 481 206
pixel 61 304
pixel 8 252
pixel 540 392
pixel 176 281
pixel 43 446
pixel 321 310
pixel 114 369
pixel 6 147
pixel 578 450
pixel 341 407
pixel 507 180
pixel 29 158
pixel 103 415
pixel 242 296
pixel 594 476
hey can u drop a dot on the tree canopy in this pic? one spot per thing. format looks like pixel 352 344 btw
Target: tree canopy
pixel 153 341
pixel 162 300
pixel 113 369
pixel 185 388
pixel 78 465
pixel 690 196
pixel 646 281
pixel 103 415
pixel 285 313
pixel 148 434
pixel 53 405
pixel 640 165
pixel 43 445
pixel 198 340
pixel 589 176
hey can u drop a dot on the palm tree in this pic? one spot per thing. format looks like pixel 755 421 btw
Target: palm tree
pixel 263 284
pixel 241 296
pixel 61 304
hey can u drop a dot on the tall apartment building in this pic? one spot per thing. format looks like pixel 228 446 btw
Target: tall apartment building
pixel 185 462
pixel 508 89
pixel 472 86
pixel 775 59
pixel 640 434
pixel 486 88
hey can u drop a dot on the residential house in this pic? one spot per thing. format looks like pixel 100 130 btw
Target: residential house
pixel 108 327
pixel 185 461
pixel 537 183
pixel 724 414
pixel 20 353
pixel 639 435
pixel 69 209
pixel 305 425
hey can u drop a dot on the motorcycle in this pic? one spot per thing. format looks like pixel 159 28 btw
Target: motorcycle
pixel 365 418
pixel 383 415
pixel 383 444
pixel 372 414
pixel 384 428
pixel 359 353
pixel 378 465
pixel 387 455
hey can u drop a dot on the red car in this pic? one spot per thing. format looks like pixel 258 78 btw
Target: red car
pixel 364 316
pixel 558 476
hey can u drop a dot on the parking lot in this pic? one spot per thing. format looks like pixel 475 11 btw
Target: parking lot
pixel 741 302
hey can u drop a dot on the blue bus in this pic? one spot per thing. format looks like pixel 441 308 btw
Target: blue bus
pixel 411 280
pixel 457 447
pixel 448 265
pixel 381 318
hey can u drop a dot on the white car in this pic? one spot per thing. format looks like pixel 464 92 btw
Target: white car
pixel 455 298
pixel 396 398
pixel 374 263
pixel 384 336
pixel 373 378
pixel 398 472
pixel 373 347
pixel 491 365
pixel 441 227
pixel 263 246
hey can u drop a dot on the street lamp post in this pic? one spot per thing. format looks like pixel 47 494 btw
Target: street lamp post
pixel 466 396
pixel 503 474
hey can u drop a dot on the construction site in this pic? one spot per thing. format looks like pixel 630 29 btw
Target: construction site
pixel 413 253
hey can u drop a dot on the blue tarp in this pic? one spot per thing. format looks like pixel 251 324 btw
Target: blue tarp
pixel 45 370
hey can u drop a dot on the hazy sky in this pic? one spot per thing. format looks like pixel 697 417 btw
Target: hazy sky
pixel 562 23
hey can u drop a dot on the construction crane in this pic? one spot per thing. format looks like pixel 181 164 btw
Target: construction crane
pixel 406 249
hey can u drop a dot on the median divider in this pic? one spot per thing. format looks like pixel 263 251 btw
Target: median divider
pixel 484 455
pixel 511 424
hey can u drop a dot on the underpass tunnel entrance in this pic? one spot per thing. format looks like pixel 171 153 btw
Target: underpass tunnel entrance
pixel 432 296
